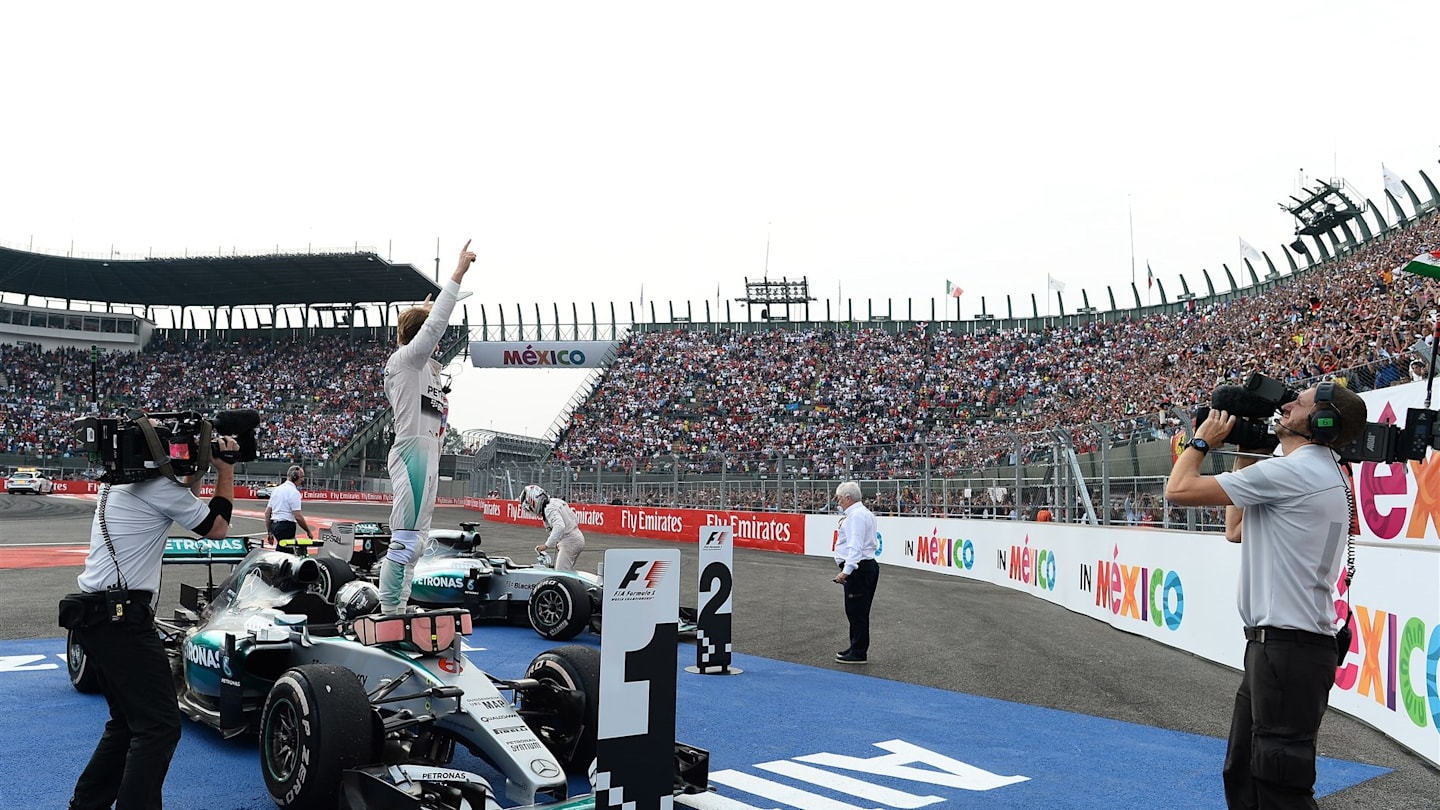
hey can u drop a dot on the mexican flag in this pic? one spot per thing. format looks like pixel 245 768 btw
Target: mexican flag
pixel 951 290
pixel 1426 264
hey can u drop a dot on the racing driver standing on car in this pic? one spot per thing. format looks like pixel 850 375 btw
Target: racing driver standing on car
pixel 117 632
pixel 417 396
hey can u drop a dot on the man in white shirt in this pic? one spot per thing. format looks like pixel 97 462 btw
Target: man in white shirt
pixel 856 541
pixel 282 514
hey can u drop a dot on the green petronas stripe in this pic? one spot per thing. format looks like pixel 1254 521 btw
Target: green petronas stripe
pixel 415 466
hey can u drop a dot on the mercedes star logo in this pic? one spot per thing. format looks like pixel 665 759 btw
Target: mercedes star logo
pixel 544 768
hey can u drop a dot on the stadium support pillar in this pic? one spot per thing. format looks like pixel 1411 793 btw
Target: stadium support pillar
pixel 1414 200
pixel 1430 187
pixel 1273 272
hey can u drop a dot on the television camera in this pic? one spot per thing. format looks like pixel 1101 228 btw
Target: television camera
pixel 1256 401
pixel 141 446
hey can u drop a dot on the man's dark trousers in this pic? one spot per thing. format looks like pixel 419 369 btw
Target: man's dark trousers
pixel 859 593
pixel 129 765
pixel 1270 760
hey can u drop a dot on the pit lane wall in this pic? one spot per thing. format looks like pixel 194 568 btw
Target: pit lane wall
pixel 772 531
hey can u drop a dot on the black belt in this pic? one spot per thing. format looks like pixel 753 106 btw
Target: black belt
pixel 841 563
pixel 136 597
pixel 1264 634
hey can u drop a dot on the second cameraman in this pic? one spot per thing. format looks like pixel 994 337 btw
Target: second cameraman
pixel 1292 516
pixel 116 627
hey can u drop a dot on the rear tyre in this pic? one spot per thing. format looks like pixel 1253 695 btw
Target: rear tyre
pixel 317 723
pixel 565 712
pixel 560 608
pixel 82 675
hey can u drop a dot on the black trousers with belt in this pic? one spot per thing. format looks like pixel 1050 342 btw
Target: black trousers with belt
pixel 859 593
pixel 1270 758
pixel 129 765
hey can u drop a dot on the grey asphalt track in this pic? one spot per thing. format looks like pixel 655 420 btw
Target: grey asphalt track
pixel 932 630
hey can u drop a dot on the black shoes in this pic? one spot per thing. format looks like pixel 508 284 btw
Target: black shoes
pixel 851 658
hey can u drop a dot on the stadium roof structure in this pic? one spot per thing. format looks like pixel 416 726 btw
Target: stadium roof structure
pixel 220 281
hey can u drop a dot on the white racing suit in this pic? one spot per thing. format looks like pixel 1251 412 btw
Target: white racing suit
pixel 565 536
pixel 415 391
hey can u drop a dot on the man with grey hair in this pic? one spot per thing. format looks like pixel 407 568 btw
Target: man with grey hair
pixel 856 541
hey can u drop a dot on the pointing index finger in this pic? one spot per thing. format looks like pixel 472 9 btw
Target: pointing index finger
pixel 467 246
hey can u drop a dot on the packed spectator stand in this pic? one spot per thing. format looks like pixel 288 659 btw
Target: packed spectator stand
pixel 863 400
pixel 314 393
pixel 832 400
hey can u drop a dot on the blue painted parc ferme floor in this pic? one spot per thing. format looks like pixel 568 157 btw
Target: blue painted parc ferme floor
pixel 780 735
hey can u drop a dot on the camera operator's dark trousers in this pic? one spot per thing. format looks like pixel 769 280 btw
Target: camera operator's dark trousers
pixel 859 593
pixel 129 765
pixel 1270 760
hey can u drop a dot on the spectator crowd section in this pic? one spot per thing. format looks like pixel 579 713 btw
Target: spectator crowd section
pixel 851 399
pixel 804 401
pixel 312 395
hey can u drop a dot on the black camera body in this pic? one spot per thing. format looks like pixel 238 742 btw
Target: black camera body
pixel 1260 397
pixel 1252 404
pixel 122 449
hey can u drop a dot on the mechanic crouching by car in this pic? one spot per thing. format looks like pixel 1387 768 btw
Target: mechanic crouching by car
pixel 557 516
pixel 113 620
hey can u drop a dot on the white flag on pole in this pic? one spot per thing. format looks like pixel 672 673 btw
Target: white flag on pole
pixel 1249 252
pixel 1392 183
pixel 1055 284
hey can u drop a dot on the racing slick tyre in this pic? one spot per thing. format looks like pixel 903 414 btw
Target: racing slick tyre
pixel 560 608
pixel 333 573
pixel 82 676
pixel 317 723
pixel 565 711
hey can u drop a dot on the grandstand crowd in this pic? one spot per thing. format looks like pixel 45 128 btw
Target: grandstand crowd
pixel 807 401
pixel 867 401
pixel 313 395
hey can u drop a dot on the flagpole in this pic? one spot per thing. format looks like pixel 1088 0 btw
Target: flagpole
pixel 1131 208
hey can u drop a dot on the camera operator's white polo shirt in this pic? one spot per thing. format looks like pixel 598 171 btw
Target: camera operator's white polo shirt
pixel 285 502
pixel 1296 521
pixel 138 519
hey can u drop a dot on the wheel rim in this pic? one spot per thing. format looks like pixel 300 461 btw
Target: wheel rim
pixel 549 607
pixel 282 737
pixel 74 656
pixel 552 725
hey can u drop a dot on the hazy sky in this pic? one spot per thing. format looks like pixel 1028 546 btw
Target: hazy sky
pixel 589 148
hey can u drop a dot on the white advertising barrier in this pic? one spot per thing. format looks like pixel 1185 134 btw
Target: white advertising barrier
pixel 1179 588
pixel 636 740
pixel 712 621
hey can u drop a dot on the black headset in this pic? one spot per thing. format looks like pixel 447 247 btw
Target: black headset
pixel 293 474
pixel 1325 417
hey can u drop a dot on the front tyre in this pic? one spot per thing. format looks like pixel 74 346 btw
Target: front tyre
pixel 560 608
pixel 334 572
pixel 82 673
pixel 565 711
pixel 317 723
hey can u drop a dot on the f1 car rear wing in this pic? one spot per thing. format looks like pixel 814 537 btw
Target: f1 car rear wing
pixel 200 550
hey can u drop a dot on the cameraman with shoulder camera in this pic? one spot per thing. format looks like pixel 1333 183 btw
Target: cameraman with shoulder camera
pixel 116 627
pixel 1292 514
